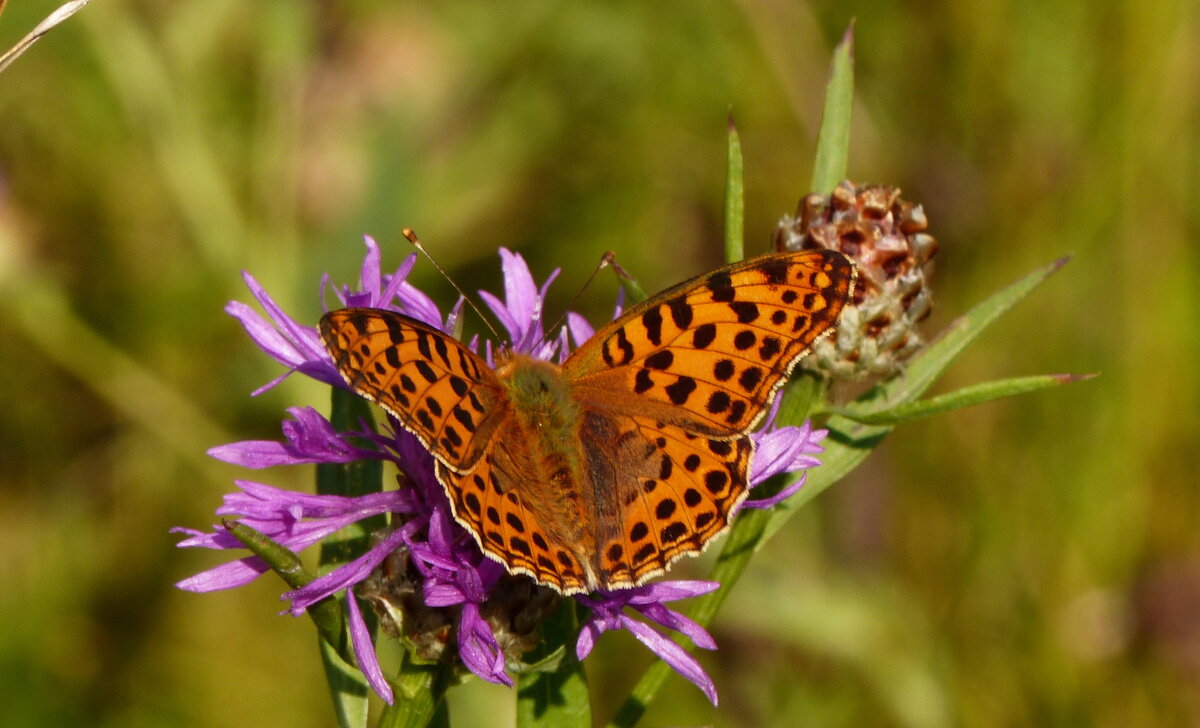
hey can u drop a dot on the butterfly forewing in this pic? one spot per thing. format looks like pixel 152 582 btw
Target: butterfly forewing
pixel 709 354
pixel 435 386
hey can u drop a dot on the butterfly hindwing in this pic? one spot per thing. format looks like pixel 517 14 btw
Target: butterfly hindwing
pixel 709 354
pixel 671 492
pixel 499 508
pixel 435 386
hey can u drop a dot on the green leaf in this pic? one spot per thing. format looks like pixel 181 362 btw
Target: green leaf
pixel 555 698
pixel 849 442
pixel 347 686
pixel 965 397
pixel 833 141
pixel 420 697
pixel 735 203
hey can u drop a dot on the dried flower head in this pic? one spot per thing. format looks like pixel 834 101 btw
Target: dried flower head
pixel 885 236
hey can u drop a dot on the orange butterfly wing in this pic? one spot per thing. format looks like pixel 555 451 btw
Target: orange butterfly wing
pixel 688 374
pixel 710 353
pixel 499 507
pixel 455 404
pixel 436 387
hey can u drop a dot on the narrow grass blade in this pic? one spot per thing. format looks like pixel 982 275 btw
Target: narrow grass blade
pixel 833 141
pixel 735 202
pixel 958 399
pixel 63 12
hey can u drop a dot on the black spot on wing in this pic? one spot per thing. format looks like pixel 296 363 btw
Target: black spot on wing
pixel 775 270
pixel 720 286
pixel 681 312
pixel 704 335
pixel 426 371
pixel 746 311
pixel 681 390
pixel 662 359
pixel 652 319
pixel 750 378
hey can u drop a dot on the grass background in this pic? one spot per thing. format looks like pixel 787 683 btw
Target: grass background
pixel 1028 562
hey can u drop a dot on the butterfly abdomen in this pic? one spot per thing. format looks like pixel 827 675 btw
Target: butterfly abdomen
pixel 546 420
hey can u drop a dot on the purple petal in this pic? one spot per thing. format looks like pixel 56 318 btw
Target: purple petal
pixel 579 327
pixel 671 619
pixel 305 338
pixel 225 576
pixel 534 334
pixel 781 496
pixel 416 304
pixel 672 654
pixel 520 292
pixel 395 282
pixel 342 577
pixel 784 450
pixel 286 341
pixel 502 314
pixel 254 454
pixel 257 500
pixel 662 591
pixel 521 311
pixel 478 649
pixel 310 439
pixel 370 275
pixel 364 651
pixel 587 640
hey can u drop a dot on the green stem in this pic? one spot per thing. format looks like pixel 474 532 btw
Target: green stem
pixel 557 698
pixel 420 692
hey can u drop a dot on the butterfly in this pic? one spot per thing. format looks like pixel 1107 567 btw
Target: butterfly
pixel 599 472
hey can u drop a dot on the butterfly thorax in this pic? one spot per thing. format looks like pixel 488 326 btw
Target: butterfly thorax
pixel 546 419
pixel 542 404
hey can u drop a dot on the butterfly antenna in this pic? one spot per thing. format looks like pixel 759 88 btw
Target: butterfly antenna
pixel 609 259
pixel 416 243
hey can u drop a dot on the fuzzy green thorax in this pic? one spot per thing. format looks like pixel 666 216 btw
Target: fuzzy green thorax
pixel 541 399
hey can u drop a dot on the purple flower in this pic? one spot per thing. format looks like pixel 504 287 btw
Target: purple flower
pixel 608 612
pixel 441 556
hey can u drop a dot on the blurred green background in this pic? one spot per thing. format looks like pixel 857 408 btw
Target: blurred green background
pixel 1033 561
